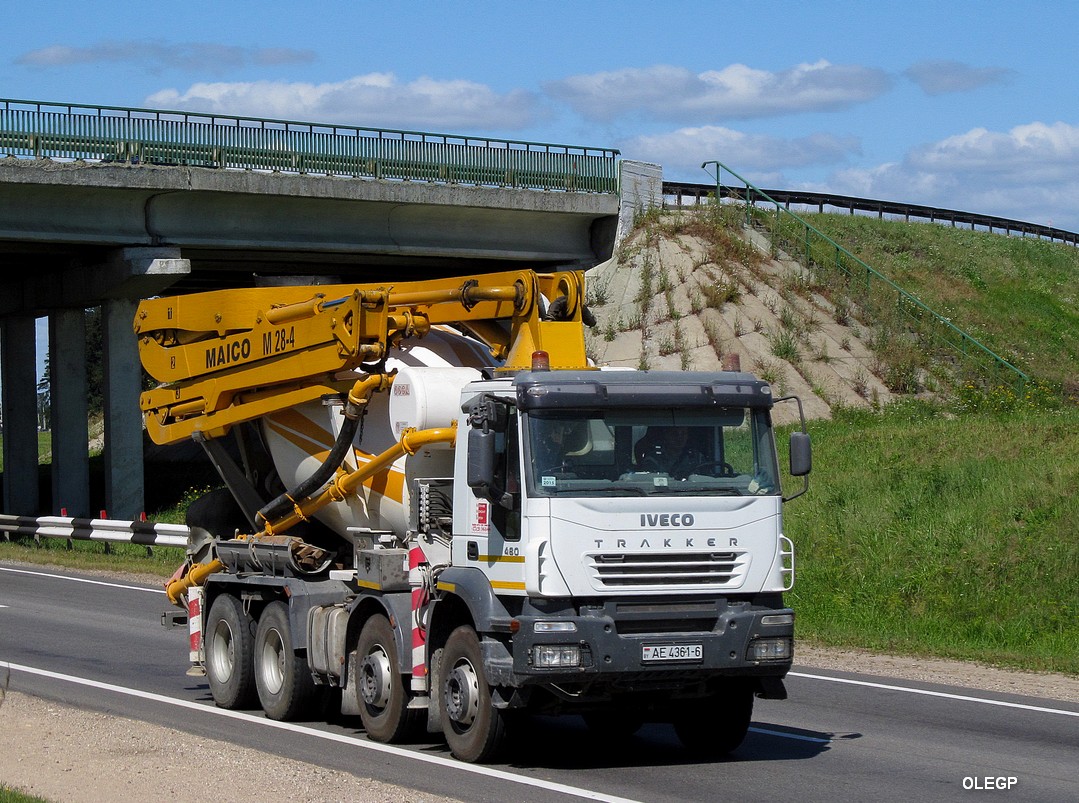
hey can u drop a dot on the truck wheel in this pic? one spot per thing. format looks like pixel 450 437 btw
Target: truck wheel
pixel 716 726
pixel 282 678
pixel 381 689
pixel 474 728
pixel 230 644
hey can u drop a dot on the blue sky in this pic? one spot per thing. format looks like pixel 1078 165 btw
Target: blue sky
pixel 967 105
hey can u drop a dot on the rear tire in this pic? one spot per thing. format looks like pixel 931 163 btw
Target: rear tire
pixel 475 730
pixel 285 687
pixel 230 645
pixel 714 727
pixel 380 686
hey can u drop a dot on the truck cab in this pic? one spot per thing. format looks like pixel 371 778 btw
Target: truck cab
pixel 619 546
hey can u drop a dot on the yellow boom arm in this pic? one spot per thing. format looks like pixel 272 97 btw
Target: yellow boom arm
pixel 230 356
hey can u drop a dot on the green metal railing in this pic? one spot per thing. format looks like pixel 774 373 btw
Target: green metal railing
pixel 143 136
pixel 832 264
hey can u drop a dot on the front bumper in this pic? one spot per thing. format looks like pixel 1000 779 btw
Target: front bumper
pixel 636 651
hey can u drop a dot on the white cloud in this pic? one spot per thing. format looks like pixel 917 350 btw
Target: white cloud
pixel 942 77
pixel 161 55
pixel 735 92
pixel 686 148
pixel 375 99
pixel 1029 173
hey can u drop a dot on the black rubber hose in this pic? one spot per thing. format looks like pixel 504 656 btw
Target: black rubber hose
pixel 288 500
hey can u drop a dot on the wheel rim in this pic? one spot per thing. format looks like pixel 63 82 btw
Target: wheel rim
pixel 462 693
pixel 375 677
pixel 222 651
pixel 272 665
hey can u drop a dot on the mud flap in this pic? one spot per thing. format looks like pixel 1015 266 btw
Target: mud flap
pixel 771 689
pixel 434 705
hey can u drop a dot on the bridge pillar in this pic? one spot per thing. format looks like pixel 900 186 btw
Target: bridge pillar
pixel 18 366
pixel 68 385
pixel 124 487
pixel 141 272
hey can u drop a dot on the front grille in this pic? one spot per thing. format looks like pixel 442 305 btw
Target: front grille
pixel 668 569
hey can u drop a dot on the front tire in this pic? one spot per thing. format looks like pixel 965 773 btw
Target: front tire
pixel 716 726
pixel 284 683
pixel 475 730
pixel 379 684
pixel 230 645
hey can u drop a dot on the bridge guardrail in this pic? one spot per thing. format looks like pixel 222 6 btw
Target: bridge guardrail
pixel 35 129
pixel 142 533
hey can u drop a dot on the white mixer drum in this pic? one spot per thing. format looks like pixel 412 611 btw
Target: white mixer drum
pixel 423 398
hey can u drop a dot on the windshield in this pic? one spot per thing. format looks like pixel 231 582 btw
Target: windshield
pixel 662 452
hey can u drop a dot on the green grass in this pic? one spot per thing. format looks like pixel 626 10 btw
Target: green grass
pixel 1019 296
pixel 44 448
pixel 9 795
pixel 91 555
pixel 929 533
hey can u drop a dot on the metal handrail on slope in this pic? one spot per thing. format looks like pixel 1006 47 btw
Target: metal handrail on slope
pixel 681 191
pixel 36 129
pixel 818 252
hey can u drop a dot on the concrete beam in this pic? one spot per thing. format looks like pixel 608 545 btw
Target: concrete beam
pixel 138 273
pixel 18 366
pixel 93 204
pixel 642 189
pixel 67 375
pixel 119 273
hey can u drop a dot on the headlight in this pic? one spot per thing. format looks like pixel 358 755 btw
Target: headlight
pixel 770 649
pixel 549 656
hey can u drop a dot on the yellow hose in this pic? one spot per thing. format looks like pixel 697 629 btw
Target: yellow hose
pixel 195 576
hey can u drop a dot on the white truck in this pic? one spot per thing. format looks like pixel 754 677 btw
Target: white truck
pixel 476 522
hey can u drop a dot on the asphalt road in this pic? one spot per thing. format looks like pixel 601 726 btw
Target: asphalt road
pixel 99 644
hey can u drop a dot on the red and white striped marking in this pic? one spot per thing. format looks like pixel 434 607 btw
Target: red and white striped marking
pixel 194 623
pixel 417 580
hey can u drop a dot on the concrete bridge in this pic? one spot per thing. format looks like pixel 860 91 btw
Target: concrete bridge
pixel 104 207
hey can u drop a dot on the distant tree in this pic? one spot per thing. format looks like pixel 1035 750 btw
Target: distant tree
pixel 95 368
pixel 95 362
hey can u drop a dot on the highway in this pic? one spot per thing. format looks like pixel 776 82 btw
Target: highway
pixel 98 644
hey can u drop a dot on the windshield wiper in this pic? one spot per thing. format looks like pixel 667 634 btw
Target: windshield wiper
pixel 601 490
pixel 701 490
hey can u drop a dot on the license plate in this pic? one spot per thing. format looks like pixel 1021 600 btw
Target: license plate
pixel 672 652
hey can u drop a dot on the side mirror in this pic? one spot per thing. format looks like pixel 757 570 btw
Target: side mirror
pixel 801 457
pixel 481 461
pixel 801 454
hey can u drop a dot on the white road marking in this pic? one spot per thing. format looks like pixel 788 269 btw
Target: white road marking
pixel 81 580
pixel 447 763
pixel 946 695
pixel 797 736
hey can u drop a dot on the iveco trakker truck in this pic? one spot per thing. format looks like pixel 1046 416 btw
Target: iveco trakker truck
pixel 439 514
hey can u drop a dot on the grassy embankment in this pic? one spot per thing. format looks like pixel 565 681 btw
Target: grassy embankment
pixel 949 529
pixel 1019 296
pixel 943 535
